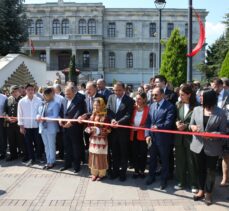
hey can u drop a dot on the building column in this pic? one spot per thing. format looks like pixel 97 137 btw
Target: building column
pixel 100 63
pixel 48 58
pixel 73 50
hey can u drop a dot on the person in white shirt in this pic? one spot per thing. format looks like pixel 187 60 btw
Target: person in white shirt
pixel 2 140
pixel 27 112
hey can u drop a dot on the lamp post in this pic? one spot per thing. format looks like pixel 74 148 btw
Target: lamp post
pixel 160 4
pixel 189 63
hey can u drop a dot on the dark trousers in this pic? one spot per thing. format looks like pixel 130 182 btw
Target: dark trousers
pixel 139 152
pixel 119 146
pixel 163 152
pixel 73 142
pixel 16 141
pixel 31 139
pixel 3 143
pixel 185 170
pixel 171 161
pixel 206 167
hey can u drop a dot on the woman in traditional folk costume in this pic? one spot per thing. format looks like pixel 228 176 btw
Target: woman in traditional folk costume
pixel 98 147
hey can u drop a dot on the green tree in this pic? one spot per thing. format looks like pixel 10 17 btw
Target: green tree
pixel 73 76
pixel 224 72
pixel 13 27
pixel 174 60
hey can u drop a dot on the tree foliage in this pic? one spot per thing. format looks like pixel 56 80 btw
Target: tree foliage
pixel 13 27
pixel 174 60
pixel 73 76
pixel 224 72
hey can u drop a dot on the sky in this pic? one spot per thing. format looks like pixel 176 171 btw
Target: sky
pixel 216 9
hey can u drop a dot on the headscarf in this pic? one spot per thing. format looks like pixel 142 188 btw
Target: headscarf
pixel 102 104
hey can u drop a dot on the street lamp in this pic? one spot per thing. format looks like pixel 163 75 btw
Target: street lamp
pixel 160 4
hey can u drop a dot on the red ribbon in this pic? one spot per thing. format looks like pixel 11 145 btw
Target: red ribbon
pixel 203 134
pixel 201 38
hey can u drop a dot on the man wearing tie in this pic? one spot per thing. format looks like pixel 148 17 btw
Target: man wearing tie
pixel 74 106
pixel 161 116
pixel 119 112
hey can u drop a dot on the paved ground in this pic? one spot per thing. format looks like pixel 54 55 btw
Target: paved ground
pixel 32 188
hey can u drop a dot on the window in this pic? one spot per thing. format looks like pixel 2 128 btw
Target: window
pixel 111 29
pixel 91 26
pixel 82 26
pixel 39 27
pixel 186 30
pixel 65 26
pixel 86 59
pixel 43 56
pixel 152 60
pixel 129 60
pixel 112 60
pixel 30 27
pixel 129 30
pixel 152 29
pixel 170 29
pixel 56 26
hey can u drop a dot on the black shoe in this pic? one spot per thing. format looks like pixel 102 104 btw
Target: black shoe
pixel 163 185
pixel 122 178
pixel 11 158
pixel 150 180
pixel 76 170
pixel 208 199
pixel 64 168
pixel 197 198
pixel 2 157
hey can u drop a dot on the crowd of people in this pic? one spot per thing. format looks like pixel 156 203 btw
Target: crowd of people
pixel 35 124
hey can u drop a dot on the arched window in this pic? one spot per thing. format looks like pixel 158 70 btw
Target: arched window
pixel 186 30
pixel 170 28
pixel 86 59
pixel 129 30
pixel 111 29
pixel 111 60
pixel 129 60
pixel 31 27
pixel 82 26
pixel 91 26
pixel 152 60
pixel 56 26
pixel 65 26
pixel 152 29
pixel 39 27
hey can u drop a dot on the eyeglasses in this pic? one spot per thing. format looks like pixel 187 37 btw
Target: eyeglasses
pixel 155 95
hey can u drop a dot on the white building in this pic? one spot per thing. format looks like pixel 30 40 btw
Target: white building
pixel 117 44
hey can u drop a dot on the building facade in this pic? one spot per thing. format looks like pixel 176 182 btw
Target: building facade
pixel 117 44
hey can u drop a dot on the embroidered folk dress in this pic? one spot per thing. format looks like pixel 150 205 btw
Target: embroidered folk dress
pixel 98 147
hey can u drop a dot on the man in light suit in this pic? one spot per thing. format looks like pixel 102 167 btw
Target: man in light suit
pixel 74 106
pixel 119 111
pixel 161 116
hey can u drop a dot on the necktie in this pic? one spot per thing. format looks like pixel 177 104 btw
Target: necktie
pixel 90 104
pixel 157 106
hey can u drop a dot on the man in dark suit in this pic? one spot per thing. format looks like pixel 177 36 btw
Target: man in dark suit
pixel 119 111
pixel 101 86
pixel 161 82
pixel 74 106
pixel 161 116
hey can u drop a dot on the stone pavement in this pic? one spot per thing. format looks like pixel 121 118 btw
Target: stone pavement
pixel 31 188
